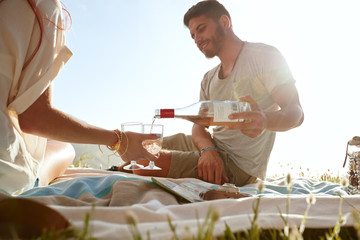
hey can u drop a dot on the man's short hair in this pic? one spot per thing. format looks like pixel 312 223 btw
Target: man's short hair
pixel 210 8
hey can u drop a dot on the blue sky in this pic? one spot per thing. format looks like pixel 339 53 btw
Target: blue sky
pixel 133 56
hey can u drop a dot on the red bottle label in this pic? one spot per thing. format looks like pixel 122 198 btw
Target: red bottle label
pixel 167 113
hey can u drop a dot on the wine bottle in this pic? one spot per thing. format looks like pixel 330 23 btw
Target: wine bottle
pixel 207 113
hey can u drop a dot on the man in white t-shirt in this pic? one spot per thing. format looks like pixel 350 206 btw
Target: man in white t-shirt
pixel 252 72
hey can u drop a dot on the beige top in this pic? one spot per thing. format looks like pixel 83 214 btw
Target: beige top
pixel 21 154
pixel 258 70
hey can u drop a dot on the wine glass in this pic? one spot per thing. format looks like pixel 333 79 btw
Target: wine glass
pixel 153 146
pixel 132 127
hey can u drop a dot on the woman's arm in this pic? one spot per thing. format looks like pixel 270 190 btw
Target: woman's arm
pixel 42 119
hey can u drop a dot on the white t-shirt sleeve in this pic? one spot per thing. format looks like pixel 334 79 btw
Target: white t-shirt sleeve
pixel 275 70
pixel 30 82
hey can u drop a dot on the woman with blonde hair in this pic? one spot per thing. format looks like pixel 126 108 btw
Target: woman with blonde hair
pixel 32 52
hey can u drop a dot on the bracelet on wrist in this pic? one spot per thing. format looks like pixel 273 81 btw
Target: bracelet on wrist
pixel 127 145
pixel 207 148
pixel 117 145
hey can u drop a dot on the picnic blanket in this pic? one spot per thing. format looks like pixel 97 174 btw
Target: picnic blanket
pixel 109 197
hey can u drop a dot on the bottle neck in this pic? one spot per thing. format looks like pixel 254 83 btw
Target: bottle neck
pixel 164 113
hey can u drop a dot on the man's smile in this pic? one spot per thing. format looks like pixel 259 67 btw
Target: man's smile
pixel 203 45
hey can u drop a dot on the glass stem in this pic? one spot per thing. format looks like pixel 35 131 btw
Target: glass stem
pixel 151 164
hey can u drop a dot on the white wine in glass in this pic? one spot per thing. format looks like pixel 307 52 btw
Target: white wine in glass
pixel 153 146
pixel 132 127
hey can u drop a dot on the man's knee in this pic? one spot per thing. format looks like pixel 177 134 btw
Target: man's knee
pixel 180 142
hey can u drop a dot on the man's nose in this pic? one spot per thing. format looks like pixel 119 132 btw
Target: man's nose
pixel 197 39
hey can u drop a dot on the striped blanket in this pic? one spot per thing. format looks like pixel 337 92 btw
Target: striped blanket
pixel 109 197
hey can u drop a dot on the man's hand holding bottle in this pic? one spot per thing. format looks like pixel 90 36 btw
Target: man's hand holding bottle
pixel 254 123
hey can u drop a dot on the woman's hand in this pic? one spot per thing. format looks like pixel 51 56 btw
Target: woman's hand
pixel 131 147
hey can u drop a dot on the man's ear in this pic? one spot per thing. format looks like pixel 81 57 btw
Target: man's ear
pixel 225 22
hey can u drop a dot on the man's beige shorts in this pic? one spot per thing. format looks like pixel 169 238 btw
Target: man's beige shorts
pixel 185 158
